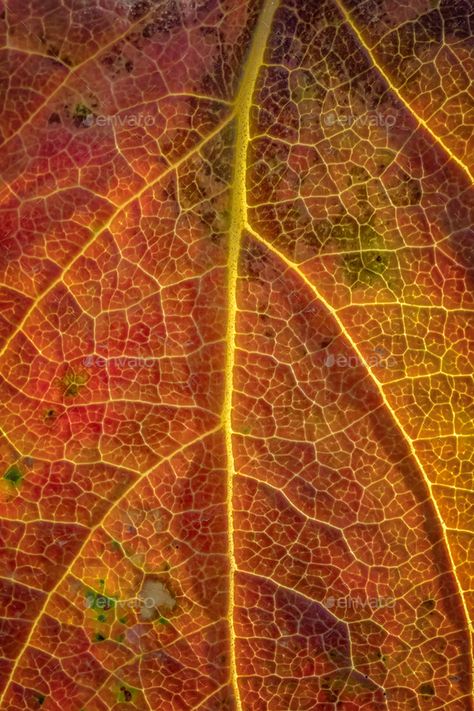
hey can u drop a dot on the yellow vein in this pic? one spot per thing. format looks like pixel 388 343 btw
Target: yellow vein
pixel 429 486
pixel 237 224
pixel 136 196
pixel 396 91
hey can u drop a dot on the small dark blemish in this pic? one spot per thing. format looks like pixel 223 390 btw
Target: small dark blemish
pixel 149 30
pixel 427 690
pixel 127 695
pixel 54 118
pixel 50 415
pixel 428 604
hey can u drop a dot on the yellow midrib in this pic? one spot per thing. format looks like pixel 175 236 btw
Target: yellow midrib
pixel 237 224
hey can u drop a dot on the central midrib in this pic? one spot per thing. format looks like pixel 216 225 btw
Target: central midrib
pixel 237 224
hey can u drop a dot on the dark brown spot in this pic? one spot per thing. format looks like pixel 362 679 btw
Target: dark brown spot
pixel 427 690
pixel 149 30
pixel 428 604
pixel 138 9
pixel 50 416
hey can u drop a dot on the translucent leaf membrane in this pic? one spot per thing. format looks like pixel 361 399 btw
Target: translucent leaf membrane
pixel 236 391
pixel 377 217
pixel 426 49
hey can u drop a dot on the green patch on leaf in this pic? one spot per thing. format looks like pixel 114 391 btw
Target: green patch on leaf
pixel 99 601
pixel 73 382
pixel 13 475
pixel 98 637
pixel 82 115
pixel 163 621
pixel 365 267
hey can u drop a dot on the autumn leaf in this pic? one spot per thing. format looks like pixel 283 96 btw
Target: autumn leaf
pixel 237 355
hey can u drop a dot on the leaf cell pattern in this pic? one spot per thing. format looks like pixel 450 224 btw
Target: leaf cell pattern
pixel 237 355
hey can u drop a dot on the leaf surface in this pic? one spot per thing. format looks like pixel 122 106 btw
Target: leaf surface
pixel 236 397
